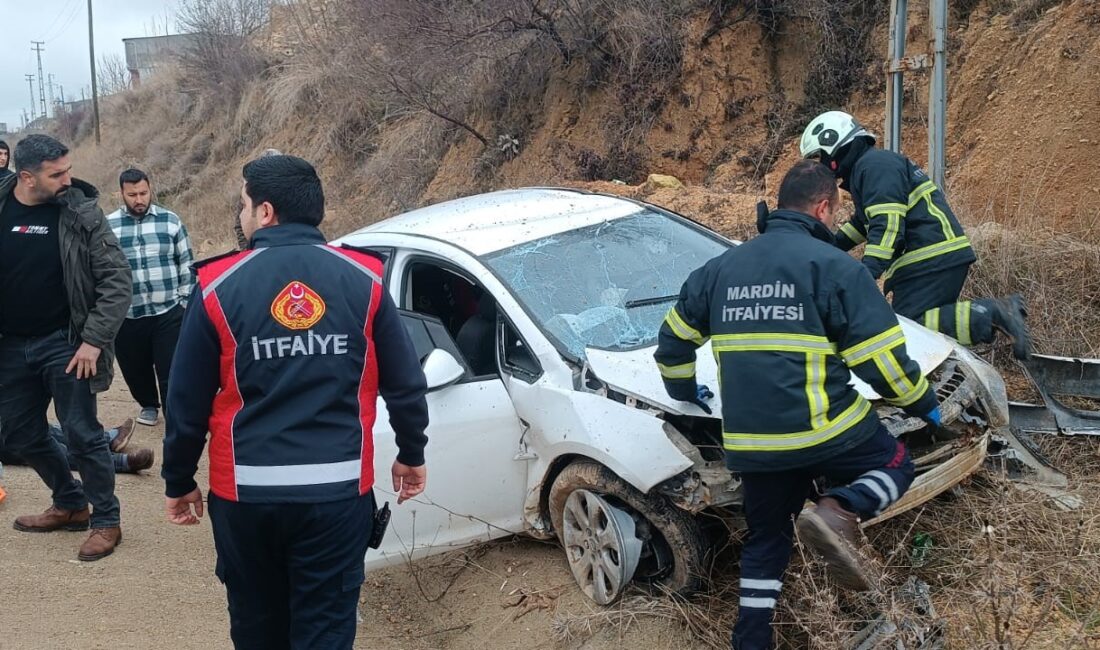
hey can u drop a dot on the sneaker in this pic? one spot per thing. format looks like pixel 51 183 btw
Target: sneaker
pixel 125 430
pixel 1010 317
pixel 140 459
pixel 148 416
pixel 833 533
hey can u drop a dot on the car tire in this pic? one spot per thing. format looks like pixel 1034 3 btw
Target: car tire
pixel 675 547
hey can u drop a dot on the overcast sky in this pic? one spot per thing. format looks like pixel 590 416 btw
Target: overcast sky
pixel 63 25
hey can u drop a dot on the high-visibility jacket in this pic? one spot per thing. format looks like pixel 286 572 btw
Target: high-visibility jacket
pixel 282 354
pixel 788 317
pixel 904 218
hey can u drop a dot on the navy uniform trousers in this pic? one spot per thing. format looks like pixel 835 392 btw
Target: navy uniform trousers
pixel 292 571
pixel 933 301
pixel 873 475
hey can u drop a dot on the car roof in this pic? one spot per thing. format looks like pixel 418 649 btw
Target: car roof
pixel 490 222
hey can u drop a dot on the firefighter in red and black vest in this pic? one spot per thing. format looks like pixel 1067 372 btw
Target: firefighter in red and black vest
pixel 281 357
pixel 789 319
pixel 914 242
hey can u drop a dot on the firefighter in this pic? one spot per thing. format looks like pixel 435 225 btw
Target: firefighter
pixel 789 317
pixel 914 242
pixel 282 354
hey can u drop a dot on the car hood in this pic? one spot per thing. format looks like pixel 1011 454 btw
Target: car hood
pixel 634 372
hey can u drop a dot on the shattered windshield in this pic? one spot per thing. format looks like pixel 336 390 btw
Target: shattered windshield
pixel 608 285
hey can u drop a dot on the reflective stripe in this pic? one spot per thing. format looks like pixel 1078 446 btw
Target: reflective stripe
pixel 928 252
pixel 894 375
pixel 772 342
pixel 366 271
pixel 802 439
pixel 815 391
pixel 682 371
pixel 887 482
pixel 883 500
pixel 681 329
pixel 270 475
pixel 912 396
pixel 880 252
pixel 883 208
pixel 758 603
pixel 945 224
pixel 753 583
pixel 962 322
pixel 932 319
pixel 209 289
pixel 868 348
pixel 853 233
pixel 927 187
pixel 893 227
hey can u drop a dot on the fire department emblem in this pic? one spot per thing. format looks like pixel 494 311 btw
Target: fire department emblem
pixel 297 307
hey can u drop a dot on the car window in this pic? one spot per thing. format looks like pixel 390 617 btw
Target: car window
pixel 518 358
pixel 608 285
pixel 428 333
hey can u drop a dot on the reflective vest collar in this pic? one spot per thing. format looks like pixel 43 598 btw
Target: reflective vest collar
pixel 287 234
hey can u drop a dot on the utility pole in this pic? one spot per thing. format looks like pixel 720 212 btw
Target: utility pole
pixel 30 85
pixel 91 59
pixel 49 85
pixel 41 77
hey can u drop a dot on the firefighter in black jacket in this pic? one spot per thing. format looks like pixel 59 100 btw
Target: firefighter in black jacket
pixel 789 317
pixel 914 242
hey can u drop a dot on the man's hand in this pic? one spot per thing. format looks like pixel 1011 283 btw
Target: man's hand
pixel 408 481
pixel 179 509
pixel 84 361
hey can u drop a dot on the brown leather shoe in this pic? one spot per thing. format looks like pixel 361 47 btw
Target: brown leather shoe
pixel 140 459
pixel 53 519
pixel 101 542
pixel 125 430
pixel 833 532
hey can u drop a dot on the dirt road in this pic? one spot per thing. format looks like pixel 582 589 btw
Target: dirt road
pixel 159 591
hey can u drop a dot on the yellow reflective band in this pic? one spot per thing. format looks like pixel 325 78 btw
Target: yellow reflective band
pixel 682 371
pixel 868 348
pixel 853 233
pixel 850 417
pixel 927 187
pixel 893 227
pixel 883 208
pixel 913 395
pixel 815 391
pixel 927 253
pixel 772 342
pixel 681 329
pixel 962 322
pixel 945 224
pixel 880 252
pixel 932 319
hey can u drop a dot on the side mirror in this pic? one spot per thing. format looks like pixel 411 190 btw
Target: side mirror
pixel 441 369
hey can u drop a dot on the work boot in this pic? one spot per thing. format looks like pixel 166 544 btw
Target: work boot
pixel 101 542
pixel 125 430
pixel 1010 317
pixel 139 460
pixel 53 519
pixel 833 532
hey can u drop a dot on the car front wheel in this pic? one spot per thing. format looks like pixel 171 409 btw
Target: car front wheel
pixel 613 534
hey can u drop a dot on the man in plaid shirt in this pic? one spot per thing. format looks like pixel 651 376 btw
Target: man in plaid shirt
pixel 156 245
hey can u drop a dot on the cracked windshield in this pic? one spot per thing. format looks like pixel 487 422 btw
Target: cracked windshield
pixel 608 285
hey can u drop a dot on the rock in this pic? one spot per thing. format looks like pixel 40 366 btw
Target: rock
pixel 660 182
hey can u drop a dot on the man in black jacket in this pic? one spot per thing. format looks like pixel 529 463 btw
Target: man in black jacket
pixel 64 292
pixel 914 241
pixel 5 158
pixel 283 352
pixel 789 318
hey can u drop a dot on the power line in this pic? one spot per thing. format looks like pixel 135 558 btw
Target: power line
pixel 57 18
pixel 65 27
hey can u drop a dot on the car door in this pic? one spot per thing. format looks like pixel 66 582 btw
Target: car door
pixel 477 477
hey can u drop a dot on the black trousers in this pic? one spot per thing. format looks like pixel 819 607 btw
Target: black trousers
pixel 933 301
pixel 292 571
pixel 144 348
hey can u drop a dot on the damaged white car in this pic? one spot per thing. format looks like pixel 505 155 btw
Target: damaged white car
pixel 535 313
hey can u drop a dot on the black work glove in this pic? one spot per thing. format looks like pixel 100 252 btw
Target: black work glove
pixel 689 391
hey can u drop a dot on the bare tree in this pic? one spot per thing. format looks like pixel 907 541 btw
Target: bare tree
pixel 221 54
pixel 113 75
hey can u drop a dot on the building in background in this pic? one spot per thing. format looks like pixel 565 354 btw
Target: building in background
pixel 145 55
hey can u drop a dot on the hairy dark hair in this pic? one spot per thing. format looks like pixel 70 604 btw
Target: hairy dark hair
pixel 34 150
pixel 132 175
pixel 807 183
pixel 289 184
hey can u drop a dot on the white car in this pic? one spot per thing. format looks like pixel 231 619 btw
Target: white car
pixel 535 313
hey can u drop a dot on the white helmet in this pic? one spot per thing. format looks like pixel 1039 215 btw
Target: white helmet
pixel 829 132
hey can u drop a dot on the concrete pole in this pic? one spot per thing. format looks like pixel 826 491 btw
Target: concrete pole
pixel 895 89
pixel 937 95
pixel 91 58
